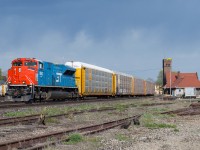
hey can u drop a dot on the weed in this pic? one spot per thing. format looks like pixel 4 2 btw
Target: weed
pixel 52 120
pixel 159 110
pixel 120 107
pixel 148 120
pixel 132 105
pixel 159 125
pixel 84 107
pixel 74 139
pixel 93 139
pixel 164 116
pixel 19 113
pixel 176 130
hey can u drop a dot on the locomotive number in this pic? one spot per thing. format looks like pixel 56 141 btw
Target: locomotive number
pixel 58 77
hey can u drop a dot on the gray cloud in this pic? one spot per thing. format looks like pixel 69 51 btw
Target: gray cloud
pixel 130 37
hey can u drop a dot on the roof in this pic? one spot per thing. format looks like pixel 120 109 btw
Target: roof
pixel 123 74
pixel 81 64
pixel 182 80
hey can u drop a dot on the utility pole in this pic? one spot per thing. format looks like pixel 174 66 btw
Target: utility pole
pixel 170 82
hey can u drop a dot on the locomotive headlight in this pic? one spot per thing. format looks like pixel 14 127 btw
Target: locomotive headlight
pixel 23 82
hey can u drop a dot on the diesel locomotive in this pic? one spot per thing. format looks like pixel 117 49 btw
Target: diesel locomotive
pixel 30 79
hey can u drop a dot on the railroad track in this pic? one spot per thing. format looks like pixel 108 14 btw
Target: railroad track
pixel 193 109
pixel 61 135
pixel 35 118
pixel 7 105
pixel 156 104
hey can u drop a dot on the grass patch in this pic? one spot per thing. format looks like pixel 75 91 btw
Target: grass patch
pixel 61 110
pixel 132 105
pixel 149 120
pixel 84 107
pixel 159 125
pixel 52 120
pixel 74 139
pixel 176 130
pixel 93 139
pixel 120 107
pixel 121 137
pixel 159 110
pixel 20 113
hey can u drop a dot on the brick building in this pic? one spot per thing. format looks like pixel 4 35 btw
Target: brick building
pixel 180 84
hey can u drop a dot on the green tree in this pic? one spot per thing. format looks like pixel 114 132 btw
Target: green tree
pixel 159 80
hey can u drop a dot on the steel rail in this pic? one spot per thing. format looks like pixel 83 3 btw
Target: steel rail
pixel 61 135
pixel 34 118
pixel 67 102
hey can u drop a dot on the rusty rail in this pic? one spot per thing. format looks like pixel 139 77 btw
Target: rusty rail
pixel 193 109
pixel 34 118
pixel 6 105
pixel 156 104
pixel 61 135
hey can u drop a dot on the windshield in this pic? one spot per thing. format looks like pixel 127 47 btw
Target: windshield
pixel 30 63
pixel 17 63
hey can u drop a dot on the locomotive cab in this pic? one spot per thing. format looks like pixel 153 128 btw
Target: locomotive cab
pixel 22 76
pixel 23 72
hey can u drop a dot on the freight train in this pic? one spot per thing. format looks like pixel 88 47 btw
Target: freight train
pixel 30 79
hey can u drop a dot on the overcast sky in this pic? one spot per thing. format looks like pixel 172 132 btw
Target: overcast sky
pixel 131 36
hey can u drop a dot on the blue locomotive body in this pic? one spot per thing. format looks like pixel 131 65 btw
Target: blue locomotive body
pixel 56 75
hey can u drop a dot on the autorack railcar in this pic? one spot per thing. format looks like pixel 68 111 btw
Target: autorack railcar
pixel 97 81
pixel 149 88
pixel 92 80
pixel 139 87
pixel 124 84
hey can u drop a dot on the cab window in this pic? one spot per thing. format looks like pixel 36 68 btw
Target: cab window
pixel 17 63
pixel 30 63
pixel 41 66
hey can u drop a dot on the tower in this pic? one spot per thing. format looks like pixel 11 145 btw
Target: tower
pixel 167 66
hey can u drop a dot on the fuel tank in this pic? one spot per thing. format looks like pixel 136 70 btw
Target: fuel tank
pixel 60 95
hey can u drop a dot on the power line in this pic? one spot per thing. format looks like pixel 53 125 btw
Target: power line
pixel 143 70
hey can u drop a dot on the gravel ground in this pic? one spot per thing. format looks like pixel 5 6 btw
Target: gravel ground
pixel 184 136
pixel 39 109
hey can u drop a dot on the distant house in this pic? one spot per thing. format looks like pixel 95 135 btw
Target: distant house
pixel 182 82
